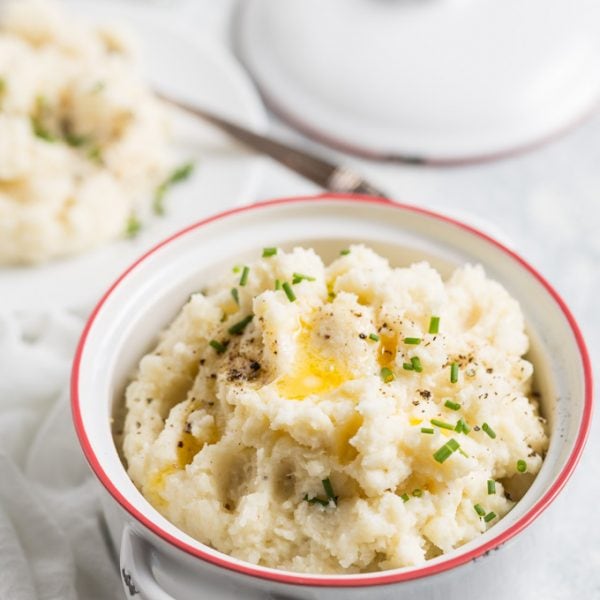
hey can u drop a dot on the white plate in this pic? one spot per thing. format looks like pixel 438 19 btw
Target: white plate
pixel 199 70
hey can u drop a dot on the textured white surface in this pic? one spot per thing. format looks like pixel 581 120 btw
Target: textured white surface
pixel 547 202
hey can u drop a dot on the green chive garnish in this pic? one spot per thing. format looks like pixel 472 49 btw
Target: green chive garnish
pixel 316 500
pixel 408 367
pixel 442 424
pixel 413 341
pixel 416 364
pixel 345 252
pixel 428 430
pixel 374 337
pixel 462 427
pixel 95 154
pixel 488 430
pixel 289 292
pixel 269 252
pixel 434 325
pixel 417 493
pixel 218 346
pixel 181 173
pixel 452 405
pixel 277 284
pixel 386 375
pixel 453 372
pixel 446 451
pixel 329 490
pixel 133 226
pixel 479 510
pixel 236 269
pixel 489 517
pixel 491 487
pixel 405 497
pixel 244 277
pixel 521 466
pixel 235 295
pixel 39 130
pixel 240 325
pixel 298 277
pixel 75 140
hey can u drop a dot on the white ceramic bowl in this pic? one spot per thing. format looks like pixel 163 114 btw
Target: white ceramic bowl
pixel 162 562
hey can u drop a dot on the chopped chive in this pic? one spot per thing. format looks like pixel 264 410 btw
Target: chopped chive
pixel 434 325
pixel 133 226
pixel 269 252
pixel 386 375
pixel 244 277
pixel 462 427
pixel 240 325
pixel 415 361
pixel 329 490
pixel 95 154
pixel 39 130
pixel 316 500
pixel 479 510
pixel 463 453
pixel 277 284
pixel 405 497
pixel 491 487
pixel 417 493
pixel 345 252
pixel 408 367
pixel 452 405
pixel 374 337
pixel 235 295
pixel 158 204
pixel 298 277
pixel 181 173
pixel 218 346
pixel 413 341
pixel 446 451
pixel 442 424
pixel 521 466
pixel 75 140
pixel 236 269
pixel 488 430
pixel 428 430
pixel 489 517
pixel 453 372
pixel 289 292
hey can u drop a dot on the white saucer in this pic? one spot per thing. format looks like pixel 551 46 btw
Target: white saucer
pixel 434 80
pixel 189 65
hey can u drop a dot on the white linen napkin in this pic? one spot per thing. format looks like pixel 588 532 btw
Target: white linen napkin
pixel 52 544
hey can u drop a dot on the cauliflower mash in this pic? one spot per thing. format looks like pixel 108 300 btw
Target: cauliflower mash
pixel 82 140
pixel 336 419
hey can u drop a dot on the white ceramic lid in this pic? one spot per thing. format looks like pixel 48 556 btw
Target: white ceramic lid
pixel 444 80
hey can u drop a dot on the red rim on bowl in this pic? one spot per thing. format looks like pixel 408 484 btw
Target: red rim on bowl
pixel 351 580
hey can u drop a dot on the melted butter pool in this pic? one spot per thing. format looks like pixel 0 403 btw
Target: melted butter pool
pixel 311 372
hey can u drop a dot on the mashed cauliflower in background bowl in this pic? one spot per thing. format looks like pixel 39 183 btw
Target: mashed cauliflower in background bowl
pixel 83 142
pixel 347 477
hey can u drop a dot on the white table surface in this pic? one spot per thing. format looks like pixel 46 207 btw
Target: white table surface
pixel 547 204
